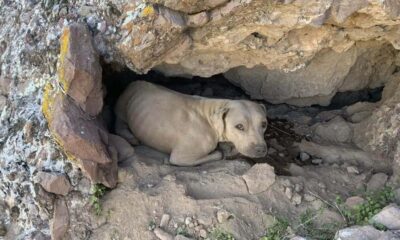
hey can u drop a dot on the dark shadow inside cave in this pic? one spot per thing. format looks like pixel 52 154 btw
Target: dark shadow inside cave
pixel 279 135
pixel 342 99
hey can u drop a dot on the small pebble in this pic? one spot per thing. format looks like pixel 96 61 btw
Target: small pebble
pixel 223 215
pixel 298 187
pixel 164 220
pixel 354 201
pixel 289 192
pixel 309 197
pixel 352 169
pixel 203 233
pixel 188 220
pixel 296 199
pixel 304 156
pixel 205 220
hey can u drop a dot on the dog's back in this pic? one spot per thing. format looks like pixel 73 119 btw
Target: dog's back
pixel 155 114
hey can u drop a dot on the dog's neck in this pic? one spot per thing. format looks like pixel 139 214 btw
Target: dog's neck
pixel 213 111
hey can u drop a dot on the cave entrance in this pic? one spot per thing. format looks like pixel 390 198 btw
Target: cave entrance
pixel 283 132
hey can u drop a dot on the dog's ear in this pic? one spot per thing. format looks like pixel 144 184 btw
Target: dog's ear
pixel 263 107
pixel 219 121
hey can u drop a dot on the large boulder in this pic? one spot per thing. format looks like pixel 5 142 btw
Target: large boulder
pixel 361 232
pixel 71 107
pixel 388 217
pixel 80 70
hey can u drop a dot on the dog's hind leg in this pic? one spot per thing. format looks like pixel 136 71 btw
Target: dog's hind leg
pixel 192 152
pixel 190 160
pixel 122 129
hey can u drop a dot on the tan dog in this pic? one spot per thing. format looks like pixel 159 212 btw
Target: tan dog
pixel 190 127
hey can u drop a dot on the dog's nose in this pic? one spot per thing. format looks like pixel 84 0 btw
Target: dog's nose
pixel 261 149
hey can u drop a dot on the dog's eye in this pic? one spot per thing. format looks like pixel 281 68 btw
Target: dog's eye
pixel 240 127
pixel 264 124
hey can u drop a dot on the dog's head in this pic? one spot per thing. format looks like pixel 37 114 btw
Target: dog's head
pixel 244 123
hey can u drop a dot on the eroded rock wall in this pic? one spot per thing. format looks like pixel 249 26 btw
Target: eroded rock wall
pixel 303 51
pixel 380 133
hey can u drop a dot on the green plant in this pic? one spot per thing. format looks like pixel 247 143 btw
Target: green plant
pixel 277 231
pixel 309 228
pixel 152 225
pixel 218 234
pixel 98 191
pixel 361 214
pixel 379 226
pixel 182 230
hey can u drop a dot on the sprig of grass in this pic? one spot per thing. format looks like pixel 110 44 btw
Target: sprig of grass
pixel 98 191
pixel 277 231
pixel 219 234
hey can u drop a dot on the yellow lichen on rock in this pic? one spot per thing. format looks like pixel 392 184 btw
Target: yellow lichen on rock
pixel 147 11
pixel 47 101
pixel 64 45
pixel 49 96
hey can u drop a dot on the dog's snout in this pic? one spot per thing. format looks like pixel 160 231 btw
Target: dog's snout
pixel 261 149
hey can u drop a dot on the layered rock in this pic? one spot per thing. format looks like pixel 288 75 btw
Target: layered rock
pixel 299 53
pixel 57 184
pixel 380 133
pixel 71 108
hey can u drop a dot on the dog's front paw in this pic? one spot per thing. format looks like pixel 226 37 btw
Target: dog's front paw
pixel 228 150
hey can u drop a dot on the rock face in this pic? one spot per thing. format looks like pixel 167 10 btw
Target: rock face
pixel 307 86
pixel 60 222
pixel 80 70
pixel 380 132
pixel 259 178
pixel 377 182
pixel 71 111
pixel 364 232
pixel 276 51
pixel 388 217
pixel 336 130
pixel 57 184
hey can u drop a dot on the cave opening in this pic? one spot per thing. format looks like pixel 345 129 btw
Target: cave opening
pixel 281 134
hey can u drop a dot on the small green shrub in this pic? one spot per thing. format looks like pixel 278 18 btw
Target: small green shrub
pixel 152 225
pixel 98 191
pixel 182 230
pixel 277 231
pixel 362 213
pixel 218 234
pixel 309 228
